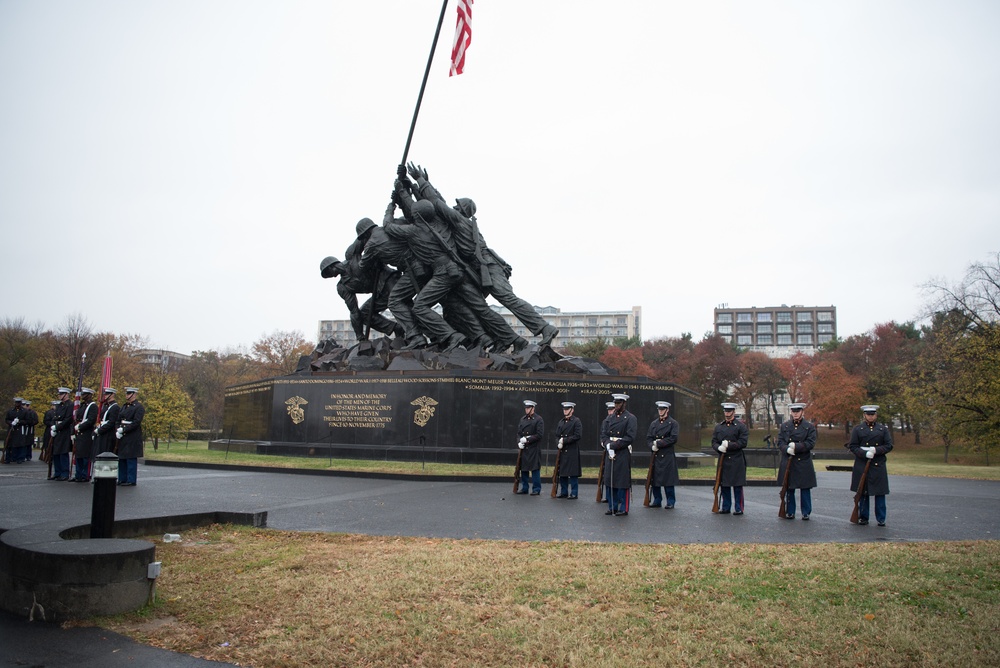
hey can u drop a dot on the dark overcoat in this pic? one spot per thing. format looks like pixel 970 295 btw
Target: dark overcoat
pixel 571 432
pixel 664 434
pixel 623 427
pixel 15 436
pixel 880 437
pixel 531 427
pixel 86 420
pixel 106 441
pixel 734 461
pixel 30 421
pixel 803 435
pixel 130 420
pixel 63 422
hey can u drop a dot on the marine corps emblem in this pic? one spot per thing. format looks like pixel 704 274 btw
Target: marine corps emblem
pixel 425 410
pixel 295 410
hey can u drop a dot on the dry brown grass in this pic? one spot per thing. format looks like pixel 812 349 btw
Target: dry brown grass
pixel 269 598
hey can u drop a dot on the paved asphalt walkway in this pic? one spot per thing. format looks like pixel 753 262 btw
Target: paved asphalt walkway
pixel 919 509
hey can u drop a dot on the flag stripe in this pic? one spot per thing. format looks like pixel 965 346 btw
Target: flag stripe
pixel 463 37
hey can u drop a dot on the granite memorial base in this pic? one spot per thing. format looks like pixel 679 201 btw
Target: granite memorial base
pixel 455 416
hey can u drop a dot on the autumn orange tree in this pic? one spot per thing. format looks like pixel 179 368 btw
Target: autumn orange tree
pixel 757 376
pixel 626 362
pixel 795 370
pixel 834 395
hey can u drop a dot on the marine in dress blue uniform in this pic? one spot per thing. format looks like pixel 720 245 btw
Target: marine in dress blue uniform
pixel 129 434
pixel 30 422
pixel 871 440
pixel 12 453
pixel 86 421
pixel 530 431
pixel 796 440
pixel 661 438
pixel 106 437
pixel 729 439
pixel 569 432
pixel 61 431
pixel 617 436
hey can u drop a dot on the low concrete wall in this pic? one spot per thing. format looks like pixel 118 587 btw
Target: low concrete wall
pixel 56 572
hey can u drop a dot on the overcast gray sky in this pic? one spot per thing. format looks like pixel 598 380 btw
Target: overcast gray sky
pixel 178 169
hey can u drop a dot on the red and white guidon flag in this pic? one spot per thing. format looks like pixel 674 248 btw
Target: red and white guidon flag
pixel 463 36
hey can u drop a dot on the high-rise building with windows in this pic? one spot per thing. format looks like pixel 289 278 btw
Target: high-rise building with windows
pixel 779 331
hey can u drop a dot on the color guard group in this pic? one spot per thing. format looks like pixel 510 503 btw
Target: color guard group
pixel 870 442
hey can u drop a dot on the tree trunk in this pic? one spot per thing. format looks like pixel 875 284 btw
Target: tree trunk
pixel 916 434
pixel 156 443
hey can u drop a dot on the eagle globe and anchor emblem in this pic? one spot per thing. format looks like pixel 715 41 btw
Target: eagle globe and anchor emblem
pixel 425 410
pixel 295 410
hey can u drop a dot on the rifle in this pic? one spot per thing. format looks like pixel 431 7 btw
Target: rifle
pixel 600 477
pixel 46 454
pixel 6 446
pixel 517 470
pixel 862 487
pixel 718 482
pixel 555 474
pixel 649 477
pixel 784 487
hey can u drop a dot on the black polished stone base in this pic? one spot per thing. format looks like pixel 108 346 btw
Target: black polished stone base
pixel 462 416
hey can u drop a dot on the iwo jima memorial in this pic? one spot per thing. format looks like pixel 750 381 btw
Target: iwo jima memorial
pixel 444 378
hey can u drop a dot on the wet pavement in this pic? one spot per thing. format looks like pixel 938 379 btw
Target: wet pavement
pixel 919 509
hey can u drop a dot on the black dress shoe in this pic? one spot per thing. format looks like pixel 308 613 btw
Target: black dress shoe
pixel 535 493
pixel 514 492
pixel 624 512
pixel 862 522
pixel 571 496
pixel 562 496
pixel 723 512
pixel 652 506
pixel 670 507
pixel 737 512
pixel 609 512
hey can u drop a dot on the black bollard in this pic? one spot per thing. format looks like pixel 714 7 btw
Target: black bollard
pixel 102 514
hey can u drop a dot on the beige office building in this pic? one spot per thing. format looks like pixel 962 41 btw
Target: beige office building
pixel 778 331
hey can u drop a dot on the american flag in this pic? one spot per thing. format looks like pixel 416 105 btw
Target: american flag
pixel 463 36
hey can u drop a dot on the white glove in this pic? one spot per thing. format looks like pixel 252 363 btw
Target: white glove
pixel 630 449
pixel 560 444
pixel 611 453
pixel 524 439
pixel 725 443
pixel 52 430
pixel 14 423
pixel 76 428
pixel 870 454
pixel 791 449
pixel 655 446
pixel 791 443
pixel 102 424
pixel 120 433
pixel 724 447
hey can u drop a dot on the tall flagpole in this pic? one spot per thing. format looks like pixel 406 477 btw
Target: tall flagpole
pixel 423 84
